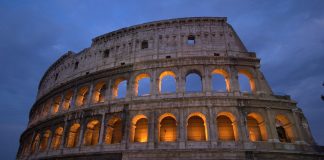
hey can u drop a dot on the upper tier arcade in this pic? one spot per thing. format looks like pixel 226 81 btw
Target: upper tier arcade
pixel 166 39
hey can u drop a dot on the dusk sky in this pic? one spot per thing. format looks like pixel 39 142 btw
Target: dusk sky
pixel 288 37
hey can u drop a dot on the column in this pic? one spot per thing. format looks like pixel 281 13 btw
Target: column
pixel 89 98
pixel 65 132
pixel 151 123
pixel 102 128
pixel 212 126
pixel 297 124
pixel 235 87
pixel 182 130
pixel 75 93
pixel 273 136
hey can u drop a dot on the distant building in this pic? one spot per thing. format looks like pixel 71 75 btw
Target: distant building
pixel 89 104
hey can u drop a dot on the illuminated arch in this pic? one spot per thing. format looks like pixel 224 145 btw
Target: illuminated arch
pixel 114 132
pixel 67 100
pixel 284 129
pixel 227 126
pixel 82 96
pixel 192 76
pixel 256 127
pixel 197 127
pixel 99 92
pixel 249 75
pixel 91 135
pixel 35 143
pixel 137 81
pixel 139 129
pixel 116 84
pixel 46 108
pixel 73 136
pixel 56 104
pixel 225 75
pixel 57 138
pixel 166 74
pixel 45 140
pixel 167 128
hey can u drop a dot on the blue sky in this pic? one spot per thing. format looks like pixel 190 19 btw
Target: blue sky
pixel 287 35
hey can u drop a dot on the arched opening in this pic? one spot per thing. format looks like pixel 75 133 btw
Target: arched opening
pixel 56 104
pixel 91 135
pixel 167 128
pixel 114 132
pixel 139 129
pixel 99 92
pixel 191 40
pixel 73 136
pixel 284 129
pixel 35 143
pixel 193 82
pixel 226 127
pixel 167 82
pixel 82 96
pixel 220 80
pixel 144 44
pixel 44 141
pixel 246 81
pixel 256 127
pixel 142 84
pixel 196 127
pixel 57 138
pixel 46 108
pixel 120 88
pixel 67 100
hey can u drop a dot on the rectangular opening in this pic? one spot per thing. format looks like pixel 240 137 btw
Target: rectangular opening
pixel 168 57
pixel 76 65
pixel 216 54
pixel 122 63
pixel 106 53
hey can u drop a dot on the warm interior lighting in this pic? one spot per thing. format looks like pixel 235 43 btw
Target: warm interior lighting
pixel 73 136
pixel 256 127
pixel 225 75
pixel 91 135
pixel 168 129
pixel 114 131
pixel 139 129
pixel 196 127
pixel 56 104
pixel 225 128
pixel 99 92
pixel 44 140
pixel 56 142
pixel 67 100
pixel 249 76
pixel 136 82
pixel 284 129
pixel 82 96
pixel 165 74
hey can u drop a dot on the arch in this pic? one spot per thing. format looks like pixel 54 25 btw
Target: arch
pixel 225 78
pixel 99 92
pixel 227 127
pixel 114 132
pixel 256 127
pixel 168 77
pixel 139 129
pixel 57 138
pixel 82 96
pixel 193 81
pixel 242 75
pixel 139 87
pixel 73 136
pixel 56 104
pixel 284 129
pixel 35 143
pixel 45 140
pixel 197 127
pixel 91 135
pixel 167 128
pixel 46 108
pixel 67 100
pixel 119 88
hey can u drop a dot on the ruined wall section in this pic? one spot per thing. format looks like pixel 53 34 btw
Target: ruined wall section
pixel 166 39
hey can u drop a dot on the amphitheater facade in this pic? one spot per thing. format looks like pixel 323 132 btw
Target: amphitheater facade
pixel 89 105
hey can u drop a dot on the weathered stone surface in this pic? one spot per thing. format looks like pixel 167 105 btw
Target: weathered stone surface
pixel 78 116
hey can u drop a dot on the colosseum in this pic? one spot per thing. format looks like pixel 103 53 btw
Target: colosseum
pixel 168 89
